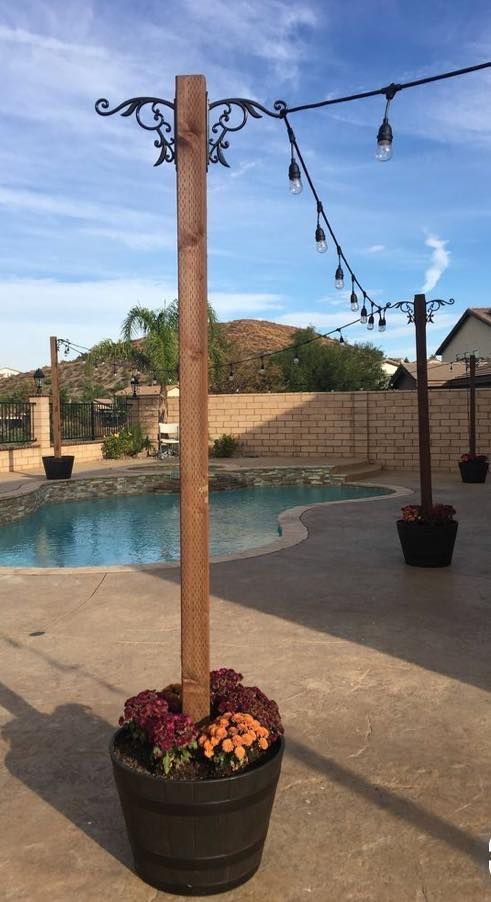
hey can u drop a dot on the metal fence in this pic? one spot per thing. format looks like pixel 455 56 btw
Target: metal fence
pixel 90 420
pixel 16 422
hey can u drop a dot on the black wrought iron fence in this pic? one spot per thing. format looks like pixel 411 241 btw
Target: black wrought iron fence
pixel 90 420
pixel 16 422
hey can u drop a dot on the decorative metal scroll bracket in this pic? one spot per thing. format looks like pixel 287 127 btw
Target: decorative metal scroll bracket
pixel 407 307
pixel 233 113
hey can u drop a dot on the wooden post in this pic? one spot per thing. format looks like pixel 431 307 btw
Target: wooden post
pixel 55 397
pixel 192 154
pixel 423 405
pixel 472 403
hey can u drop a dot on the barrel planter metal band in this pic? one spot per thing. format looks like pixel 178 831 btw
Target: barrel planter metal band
pixel 197 837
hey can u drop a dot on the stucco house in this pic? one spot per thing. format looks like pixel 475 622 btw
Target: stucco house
pixel 472 332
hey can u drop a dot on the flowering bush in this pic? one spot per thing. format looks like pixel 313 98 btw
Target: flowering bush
pixel 232 741
pixel 172 736
pixel 439 513
pixel 482 458
pixel 125 443
pixel 244 724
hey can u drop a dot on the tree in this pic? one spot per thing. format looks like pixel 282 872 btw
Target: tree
pixel 331 366
pixel 150 341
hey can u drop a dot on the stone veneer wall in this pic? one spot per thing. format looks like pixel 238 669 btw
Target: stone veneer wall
pixel 381 427
pixel 26 502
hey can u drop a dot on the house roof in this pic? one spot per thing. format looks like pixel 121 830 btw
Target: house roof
pixel 481 313
pixel 438 373
pixel 483 377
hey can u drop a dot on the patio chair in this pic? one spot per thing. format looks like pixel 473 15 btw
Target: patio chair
pixel 168 442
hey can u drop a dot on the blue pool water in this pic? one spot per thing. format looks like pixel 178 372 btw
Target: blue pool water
pixel 143 529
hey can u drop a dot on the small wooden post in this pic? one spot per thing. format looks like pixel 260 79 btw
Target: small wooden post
pixel 192 155
pixel 472 403
pixel 55 397
pixel 423 405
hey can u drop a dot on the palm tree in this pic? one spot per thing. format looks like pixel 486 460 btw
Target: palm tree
pixel 150 341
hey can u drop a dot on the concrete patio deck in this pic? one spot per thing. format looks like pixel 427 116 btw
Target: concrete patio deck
pixel 382 674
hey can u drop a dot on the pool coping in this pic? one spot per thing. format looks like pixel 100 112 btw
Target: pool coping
pixel 293 530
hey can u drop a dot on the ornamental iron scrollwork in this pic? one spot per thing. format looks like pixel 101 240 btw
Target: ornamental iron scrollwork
pixel 407 307
pixel 166 140
pixel 233 117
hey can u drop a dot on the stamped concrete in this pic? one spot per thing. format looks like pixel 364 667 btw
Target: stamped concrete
pixel 382 673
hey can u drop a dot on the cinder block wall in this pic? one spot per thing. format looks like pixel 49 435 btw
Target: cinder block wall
pixel 378 426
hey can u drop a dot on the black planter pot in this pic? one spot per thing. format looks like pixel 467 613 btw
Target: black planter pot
pixel 58 467
pixel 427 545
pixel 473 470
pixel 197 837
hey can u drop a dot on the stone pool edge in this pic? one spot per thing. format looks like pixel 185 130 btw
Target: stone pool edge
pixel 293 529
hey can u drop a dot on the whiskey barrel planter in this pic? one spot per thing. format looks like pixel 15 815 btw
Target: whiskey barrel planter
pixel 197 837
pixel 473 470
pixel 58 467
pixel 427 544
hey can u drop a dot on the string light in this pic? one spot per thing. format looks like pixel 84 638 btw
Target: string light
pixel 231 374
pixel 381 321
pixel 363 313
pixel 354 296
pixel 320 235
pixel 262 368
pixel 385 136
pixel 339 274
pixel 296 358
pixel 371 320
pixel 294 175
pixel 341 339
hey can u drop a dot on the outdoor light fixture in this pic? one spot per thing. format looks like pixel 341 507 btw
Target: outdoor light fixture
pixel 341 339
pixel 320 235
pixel 385 136
pixel 381 321
pixel 134 382
pixel 296 186
pixel 339 276
pixel 39 378
pixel 296 358
pixel 231 373
pixel 371 320
pixel 262 368
pixel 364 314
pixel 354 297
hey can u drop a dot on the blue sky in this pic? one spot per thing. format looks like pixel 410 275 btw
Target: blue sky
pixel 88 225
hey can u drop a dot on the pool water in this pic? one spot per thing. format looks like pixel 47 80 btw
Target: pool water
pixel 143 529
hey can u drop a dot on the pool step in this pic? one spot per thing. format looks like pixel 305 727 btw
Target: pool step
pixel 352 470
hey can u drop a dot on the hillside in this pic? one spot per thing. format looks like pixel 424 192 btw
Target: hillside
pixel 244 336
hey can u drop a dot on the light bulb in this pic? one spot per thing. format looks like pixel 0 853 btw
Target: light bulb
pixel 354 301
pixel 341 339
pixel 320 240
pixel 384 142
pixel 294 177
pixel 339 277
pixel 231 375
pixel 363 315
pixel 371 322
pixel 381 323
pixel 296 360
pixel 262 368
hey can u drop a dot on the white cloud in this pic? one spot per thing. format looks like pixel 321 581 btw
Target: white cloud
pixel 440 260
pixel 375 248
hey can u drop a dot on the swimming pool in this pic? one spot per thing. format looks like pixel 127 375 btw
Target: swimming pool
pixel 144 529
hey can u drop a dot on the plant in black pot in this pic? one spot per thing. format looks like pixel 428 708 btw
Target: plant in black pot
pixel 473 467
pixel 197 797
pixel 427 540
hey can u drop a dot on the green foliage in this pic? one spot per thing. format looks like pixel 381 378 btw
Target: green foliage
pixel 332 366
pixel 125 443
pixel 225 446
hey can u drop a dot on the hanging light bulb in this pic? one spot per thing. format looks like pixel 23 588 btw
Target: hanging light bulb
pixel 371 320
pixel 385 136
pixel 363 314
pixel 341 339
pixel 320 239
pixel 231 373
pixel 262 368
pixel 339 275
pixel 294 176
pixel 381 321
pixel 296 358
pixel 354 297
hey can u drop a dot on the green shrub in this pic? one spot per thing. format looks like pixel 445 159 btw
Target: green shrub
pixel 225 446
pixel 125 443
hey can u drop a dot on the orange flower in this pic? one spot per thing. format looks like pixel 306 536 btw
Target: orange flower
pixel 221 733
pixel 227 745
pixel 239 752
pixel 263 743
pixel 248 738
pixel 237 741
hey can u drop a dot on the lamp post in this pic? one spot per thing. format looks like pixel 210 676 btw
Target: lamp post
pixel 39 378
pixel 420 312
pixel 134 382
